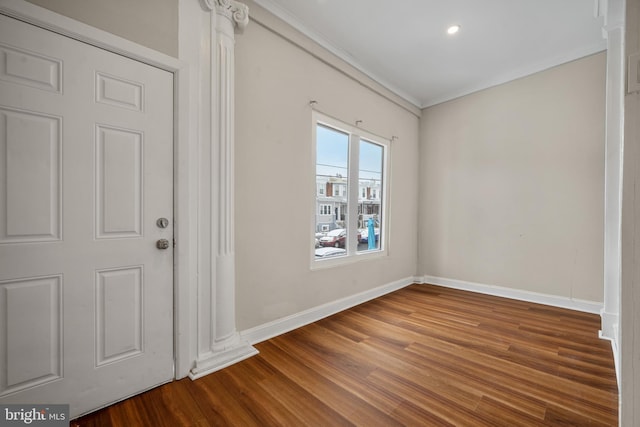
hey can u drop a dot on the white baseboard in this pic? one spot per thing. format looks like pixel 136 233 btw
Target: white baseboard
pixel 280 326
pixel 289 323
pixel 220 360
pixel 535 297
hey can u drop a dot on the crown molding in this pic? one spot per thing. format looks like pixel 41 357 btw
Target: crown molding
pixel 275 9
pixel 295 22
pixel 516 74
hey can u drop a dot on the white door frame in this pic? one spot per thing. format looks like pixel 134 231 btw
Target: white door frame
pixel 185 159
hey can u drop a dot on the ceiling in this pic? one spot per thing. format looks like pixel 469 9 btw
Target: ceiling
pixel 404 44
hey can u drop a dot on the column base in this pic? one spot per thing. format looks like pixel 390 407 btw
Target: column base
pixel 609 325
pixel 219 360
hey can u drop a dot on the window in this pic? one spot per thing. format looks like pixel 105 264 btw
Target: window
pixel 325 209
pixel 353 164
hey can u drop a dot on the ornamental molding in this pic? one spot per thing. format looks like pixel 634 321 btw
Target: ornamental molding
pixel 236 12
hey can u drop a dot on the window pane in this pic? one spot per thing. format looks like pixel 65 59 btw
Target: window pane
pixel 332 160
pixel 370 196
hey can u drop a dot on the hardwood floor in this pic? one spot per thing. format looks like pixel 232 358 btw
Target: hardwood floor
pixel 421 356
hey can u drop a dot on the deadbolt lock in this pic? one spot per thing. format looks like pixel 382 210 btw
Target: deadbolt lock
pixel 162 222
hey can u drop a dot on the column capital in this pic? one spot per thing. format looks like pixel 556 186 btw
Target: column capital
pixel 236 12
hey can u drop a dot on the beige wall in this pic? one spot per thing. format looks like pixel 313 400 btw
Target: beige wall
pixel 151 23
pixel 275 80
pixel 511 184
pixel 509 180
pixel 630 291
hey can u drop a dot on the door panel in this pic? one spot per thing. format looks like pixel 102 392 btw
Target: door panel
pixel 118 182
pixel 86 168
pixel 30 150
pixel 119 311
pixel 35 304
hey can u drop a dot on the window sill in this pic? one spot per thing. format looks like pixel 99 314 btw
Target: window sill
pixel 321 264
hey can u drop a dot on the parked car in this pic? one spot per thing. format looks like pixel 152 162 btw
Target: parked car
pixel 329 252
pixel 334 238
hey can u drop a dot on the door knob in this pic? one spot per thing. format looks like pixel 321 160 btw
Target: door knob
pixel 162 244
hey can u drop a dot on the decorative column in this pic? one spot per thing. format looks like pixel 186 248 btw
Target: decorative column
pixel 613 31
pixel 219 344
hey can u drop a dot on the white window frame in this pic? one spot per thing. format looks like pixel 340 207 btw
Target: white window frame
pixel 355 135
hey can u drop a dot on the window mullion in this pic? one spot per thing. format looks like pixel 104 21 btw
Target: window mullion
pixel 352 194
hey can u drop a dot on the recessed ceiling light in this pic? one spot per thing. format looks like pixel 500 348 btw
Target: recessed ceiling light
pixel 453 29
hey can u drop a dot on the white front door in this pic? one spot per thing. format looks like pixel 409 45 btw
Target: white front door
pixel 86 171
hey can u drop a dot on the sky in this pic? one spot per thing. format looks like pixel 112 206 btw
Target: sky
pixel 332 153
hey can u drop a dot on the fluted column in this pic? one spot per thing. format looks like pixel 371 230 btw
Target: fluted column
pixel 613 31
pixel 219 343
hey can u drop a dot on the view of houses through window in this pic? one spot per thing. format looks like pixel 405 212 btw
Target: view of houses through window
pixel 349 191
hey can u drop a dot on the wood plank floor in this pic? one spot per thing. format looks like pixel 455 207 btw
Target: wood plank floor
pixel 421 356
